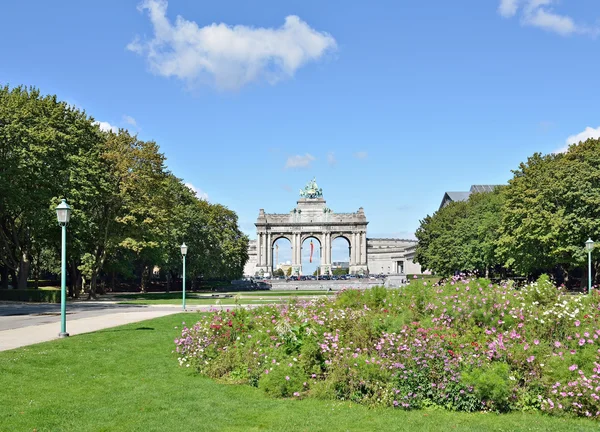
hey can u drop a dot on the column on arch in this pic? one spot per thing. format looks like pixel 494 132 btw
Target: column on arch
pixel 328 249
pixel 325 239
pixel 299 248
pixel 353 249
pixel 293 245
pixel 363 245
pixel 259 248
pixel 269 249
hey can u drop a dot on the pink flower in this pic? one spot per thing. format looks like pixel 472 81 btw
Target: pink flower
pixel 536 342
pixel 530 359
pixel 296 394
pixel 581 342
pixel 266 371
pixel 577 323
pixel 557 344
pixel 525 347
pixel 287 378
pixel 573 367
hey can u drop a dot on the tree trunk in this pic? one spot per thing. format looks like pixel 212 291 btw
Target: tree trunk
pixel 24 271
pixel 4 273
pixel 168 281
pixel 92 291
pixel 144 280
pixel 71 282
pixel 15 280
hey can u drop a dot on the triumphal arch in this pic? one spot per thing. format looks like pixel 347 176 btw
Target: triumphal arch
pixel 311 218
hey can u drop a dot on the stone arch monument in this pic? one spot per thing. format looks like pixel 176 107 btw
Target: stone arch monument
pixel 311 218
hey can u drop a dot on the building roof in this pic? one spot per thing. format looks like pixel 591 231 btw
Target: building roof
pixel 482 188
pixel 463 196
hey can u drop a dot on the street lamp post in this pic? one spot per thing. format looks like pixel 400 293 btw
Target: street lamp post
pixel 183 254
pixel 63 214
pixel 589 245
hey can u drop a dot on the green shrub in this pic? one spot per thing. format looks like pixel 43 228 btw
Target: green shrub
pixel 283 380
pixel 30 295
pixel 491 384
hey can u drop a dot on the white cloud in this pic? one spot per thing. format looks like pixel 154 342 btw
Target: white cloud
pixel 331 160
pixel 129 120
pixel 361 155
pixel 540 13
pixel 508 8
pixel 107 127
pixel 299 161
pixel 200 194
pixel 588 133
pixel 228 56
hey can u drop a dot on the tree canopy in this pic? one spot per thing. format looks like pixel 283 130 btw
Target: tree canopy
pixel 130 213
pixel 538 223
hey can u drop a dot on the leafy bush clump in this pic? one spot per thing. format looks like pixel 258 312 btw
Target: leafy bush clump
pixel 464 345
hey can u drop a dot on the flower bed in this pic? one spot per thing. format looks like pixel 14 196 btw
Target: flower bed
pixel 466 345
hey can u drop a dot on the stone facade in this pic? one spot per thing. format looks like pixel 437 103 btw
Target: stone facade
pixel 392 256
pixel 311 218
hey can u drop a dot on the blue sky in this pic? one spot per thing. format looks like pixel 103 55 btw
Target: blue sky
pixel 388 104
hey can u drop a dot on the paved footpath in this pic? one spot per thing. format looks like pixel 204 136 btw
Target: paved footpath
pixel 26 324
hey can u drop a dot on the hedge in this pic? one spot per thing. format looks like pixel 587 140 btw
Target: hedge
pixel 31 295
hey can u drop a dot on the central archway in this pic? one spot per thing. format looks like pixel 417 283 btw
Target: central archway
pixel 311 257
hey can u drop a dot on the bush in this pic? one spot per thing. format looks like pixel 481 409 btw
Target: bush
pixel 491 384
pixel 463 345
pixel 30 295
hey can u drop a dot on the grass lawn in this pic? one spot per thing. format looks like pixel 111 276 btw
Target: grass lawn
pixel 195 301
pixel 127 379
pixel 250 297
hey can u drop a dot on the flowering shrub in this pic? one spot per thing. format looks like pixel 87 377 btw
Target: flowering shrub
pixel 465 345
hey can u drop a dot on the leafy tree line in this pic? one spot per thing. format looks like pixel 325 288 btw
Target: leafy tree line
pixel 130 213
pixel 536 224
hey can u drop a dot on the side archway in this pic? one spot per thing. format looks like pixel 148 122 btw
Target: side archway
pixel 281 255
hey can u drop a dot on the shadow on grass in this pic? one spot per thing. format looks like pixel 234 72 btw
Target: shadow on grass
pixel 121 330
pixel 170 296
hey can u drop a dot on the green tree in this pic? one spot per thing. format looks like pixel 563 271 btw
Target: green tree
pixel 462 236
pixel 40 138
pixel 552 206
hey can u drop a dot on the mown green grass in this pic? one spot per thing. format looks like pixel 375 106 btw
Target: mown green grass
pixel 128 379
pixel 193 301
pixel 244 298
pixel 241 294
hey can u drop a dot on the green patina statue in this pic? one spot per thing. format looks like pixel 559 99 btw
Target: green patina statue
pixel 311 190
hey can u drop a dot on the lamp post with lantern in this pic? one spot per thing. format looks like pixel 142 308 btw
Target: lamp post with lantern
pixel 183 254
pixel 63 214
pixel 589 245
